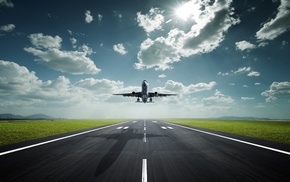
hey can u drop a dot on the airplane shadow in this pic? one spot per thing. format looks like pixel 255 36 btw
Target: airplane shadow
pixel 122 138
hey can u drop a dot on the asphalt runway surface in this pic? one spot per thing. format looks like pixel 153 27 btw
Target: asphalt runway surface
pixel 146 150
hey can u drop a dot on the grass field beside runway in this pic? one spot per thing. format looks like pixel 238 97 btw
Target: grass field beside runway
pixel 278 131
pixel 22 130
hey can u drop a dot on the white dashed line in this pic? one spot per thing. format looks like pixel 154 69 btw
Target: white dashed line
pixel 163 127
pixel 119 128
pixel 154 121
pixel 169 127
pixel 144 170
pixel 126 127
pixel 144 138
pixel 144 128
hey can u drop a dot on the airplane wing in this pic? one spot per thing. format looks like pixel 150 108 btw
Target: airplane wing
pixel 132 94
pixel 156 94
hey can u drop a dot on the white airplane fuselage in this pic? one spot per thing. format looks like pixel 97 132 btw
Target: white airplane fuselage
pixel 144 91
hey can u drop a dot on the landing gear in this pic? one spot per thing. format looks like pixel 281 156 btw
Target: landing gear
pixel 138 99
pixel 150 99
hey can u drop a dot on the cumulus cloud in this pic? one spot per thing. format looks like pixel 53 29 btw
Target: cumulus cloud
pixel 20 86
pixel 277 89
pixel 15 78
pixel 6 3
pixel 45 41
pixel 206 34
pixel 244 45
pixel 242 70
pixel 217 99
pixel 278 25
pixel 151 21
pixel 7 28
pixel 47 48
pixel 177 87
pixel 120 49
pixel 88 17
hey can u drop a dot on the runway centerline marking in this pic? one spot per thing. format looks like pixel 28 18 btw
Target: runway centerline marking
pixel 234 139
pixel 58 139
pixel 144 170
pixel 144 128
pixel 144 138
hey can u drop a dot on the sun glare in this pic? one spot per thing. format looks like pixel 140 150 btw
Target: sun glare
pixel 187 10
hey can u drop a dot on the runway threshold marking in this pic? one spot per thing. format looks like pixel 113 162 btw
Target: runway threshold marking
pixel 144 170
pixel 234 139
pixel 57 139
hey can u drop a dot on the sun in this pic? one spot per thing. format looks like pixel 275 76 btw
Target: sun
pixel 187 10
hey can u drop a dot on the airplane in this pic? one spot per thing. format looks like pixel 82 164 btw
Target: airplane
pixel 144 94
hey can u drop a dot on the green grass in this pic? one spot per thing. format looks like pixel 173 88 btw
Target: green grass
pixel 278 131
pixel 23 130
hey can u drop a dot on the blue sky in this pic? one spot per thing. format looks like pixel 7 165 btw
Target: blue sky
pixel 222 57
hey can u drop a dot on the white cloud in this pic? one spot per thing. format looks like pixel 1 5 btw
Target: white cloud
pixel 6 3
pixel 73 42
pixel 89 18
pixel 100 17
pixel 74 62
pixel 257 84
pixel 158 53
pixel 15 78
pixel 179 88
pixel 7 28
pixel 277 89
pixel 247 98
pixel 206 34
pixel 162 76
pixel 45 41
pixel 120 49
pixel 244 45
pixel 253 73
pixel 278 25
pixel 151 21
pixel 242 70
pixel 217 99
pixel 21 89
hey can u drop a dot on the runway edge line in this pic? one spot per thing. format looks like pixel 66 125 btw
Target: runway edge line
pixel 233 139
pixel 58 139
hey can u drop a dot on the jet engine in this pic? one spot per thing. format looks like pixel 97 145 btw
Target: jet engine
pixel 133 93
pixel 156 94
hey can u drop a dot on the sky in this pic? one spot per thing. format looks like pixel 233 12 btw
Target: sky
pixel 65 59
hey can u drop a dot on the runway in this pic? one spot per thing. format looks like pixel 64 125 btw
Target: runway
pixel 146 150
